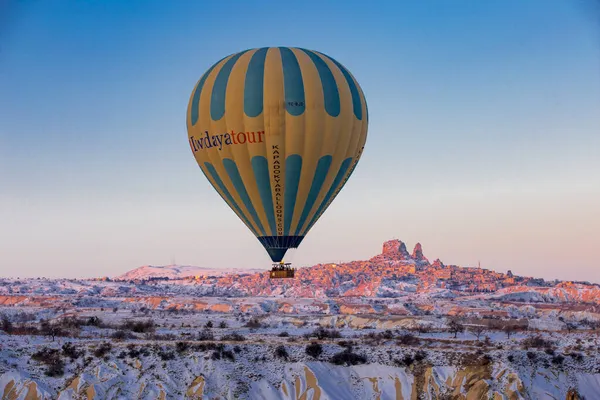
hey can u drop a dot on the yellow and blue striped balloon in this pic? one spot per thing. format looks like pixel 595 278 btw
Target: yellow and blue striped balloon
pixel 277 131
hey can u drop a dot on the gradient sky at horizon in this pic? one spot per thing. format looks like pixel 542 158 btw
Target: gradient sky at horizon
pixel 484 136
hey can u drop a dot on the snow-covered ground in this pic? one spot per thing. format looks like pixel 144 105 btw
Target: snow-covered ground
pixel 141 352
pixel 189 339
pixel 253 368
pixel 180 271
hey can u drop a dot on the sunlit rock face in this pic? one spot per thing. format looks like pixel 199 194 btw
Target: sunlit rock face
pixel 417 254
pixel 395 249
pixel 204 379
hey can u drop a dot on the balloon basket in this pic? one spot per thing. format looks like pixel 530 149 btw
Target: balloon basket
pixel 282 271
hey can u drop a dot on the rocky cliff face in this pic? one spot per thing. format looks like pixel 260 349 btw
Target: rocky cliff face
pixel 199 377
pixel 417 254
pixel 394 273
pixel 395 249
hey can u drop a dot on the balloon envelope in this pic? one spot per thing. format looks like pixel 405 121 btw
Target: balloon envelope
pixel 277 131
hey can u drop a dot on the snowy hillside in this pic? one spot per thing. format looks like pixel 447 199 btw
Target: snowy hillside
pixel 198 356
pixel 180 271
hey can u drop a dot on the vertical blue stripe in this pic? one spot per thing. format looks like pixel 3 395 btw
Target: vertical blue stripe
pixel 238 183
pixel 198 92
pixel 254 83
pixel 366 106
pixel 226 195
pixel 217 100
pixel 292 82
pixel 260 165
pixel 353 168
pixel 349 173
pixel 331 95
pixel 336 182
pixel 293 168
pixel 320 173
pixel 356 103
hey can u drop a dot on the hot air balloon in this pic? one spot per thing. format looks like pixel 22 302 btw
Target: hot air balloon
pixel 277 131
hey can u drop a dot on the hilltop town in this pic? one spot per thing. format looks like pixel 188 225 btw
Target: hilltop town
pixel 393 273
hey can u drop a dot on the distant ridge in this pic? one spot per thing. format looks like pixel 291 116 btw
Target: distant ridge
pixel 179 271
pixel 393 273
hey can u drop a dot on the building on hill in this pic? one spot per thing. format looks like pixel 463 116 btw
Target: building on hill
pixel 443 274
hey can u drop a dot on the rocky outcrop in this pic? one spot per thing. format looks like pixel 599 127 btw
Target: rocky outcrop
pixel 417 254
pixel 395 249
pixel 202 378
pixel 392 274
pixel 13 387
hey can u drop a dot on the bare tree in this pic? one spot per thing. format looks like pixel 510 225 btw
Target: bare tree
pixel 423 328
pixel 6 324
pixel 509 330
pixel 49 329
pixel 477 330
pixel 455 327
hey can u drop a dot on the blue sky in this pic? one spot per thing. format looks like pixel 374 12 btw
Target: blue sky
pixel 483 139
